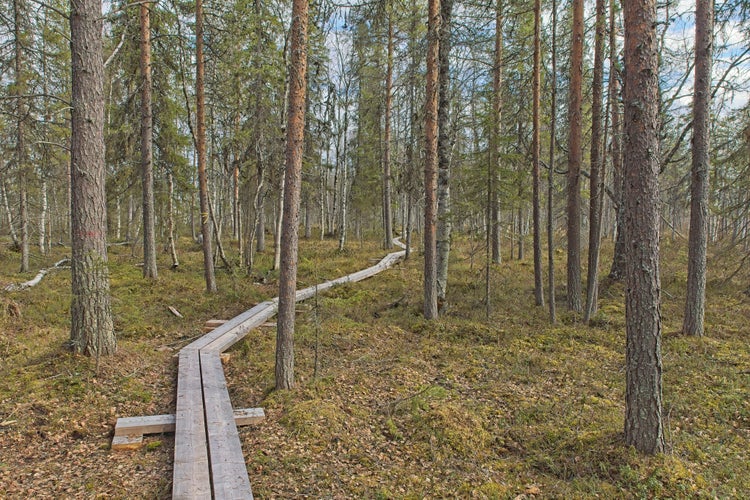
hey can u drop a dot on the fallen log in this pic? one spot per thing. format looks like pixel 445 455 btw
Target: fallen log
pixel 13 287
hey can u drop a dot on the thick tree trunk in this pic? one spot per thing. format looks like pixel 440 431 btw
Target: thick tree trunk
pixel 289 239
pixel 575 158
pixel 643 396
pixel 444 223
pixel 695 302
pixel 551 172
pixel 92 330
pixel 147 163
pixel 597 173
pixel 200 118
pixel 535 153
pixel 431 161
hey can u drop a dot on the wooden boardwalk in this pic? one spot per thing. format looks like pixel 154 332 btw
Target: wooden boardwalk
pixel 208 459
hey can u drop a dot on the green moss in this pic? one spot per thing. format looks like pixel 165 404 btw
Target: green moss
pixel 153 445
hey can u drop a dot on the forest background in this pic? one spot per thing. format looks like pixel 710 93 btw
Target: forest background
pixel 361 183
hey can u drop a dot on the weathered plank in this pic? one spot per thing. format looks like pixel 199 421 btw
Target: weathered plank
pixel 248 416
pixel 120 443
pixel 160 424
pixel 212 324
pixel 190 479
pixel 231 337
pixel 228 468
pixel 236 322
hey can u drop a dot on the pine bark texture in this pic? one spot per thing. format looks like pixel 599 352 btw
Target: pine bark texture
pixel 575 159
pixel 92 329
pixel 551 172
pixel 535 153
pixel 292 180
pixel 431 161
pixel 21 111
pixel 695 302
pixel 147 157
pixel 200 118
pixel 597 173
pixel 444 224
pixel 643 396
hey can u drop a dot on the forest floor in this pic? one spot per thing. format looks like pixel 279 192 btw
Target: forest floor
pixel 505 407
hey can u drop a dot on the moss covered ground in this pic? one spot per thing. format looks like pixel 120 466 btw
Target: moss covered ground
pixel 466 406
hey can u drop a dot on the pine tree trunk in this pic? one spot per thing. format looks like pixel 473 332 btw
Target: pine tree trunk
pixel 535 153
pixel 575 158
pixel 551 173
pixel 19 89
pixel 444 223
pixel 147 164
pixel 643 396
pixel 617 271
pixel 597 173
pixel 497 108
pixel 431 160
pixel 289 238
pixel 695 302
pixel 200 119
pixel 92 330
pixel 387 202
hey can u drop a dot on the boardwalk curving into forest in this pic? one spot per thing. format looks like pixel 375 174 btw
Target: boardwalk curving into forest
pixel 208 459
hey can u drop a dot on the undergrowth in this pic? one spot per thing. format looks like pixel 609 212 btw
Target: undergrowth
pixel 465 406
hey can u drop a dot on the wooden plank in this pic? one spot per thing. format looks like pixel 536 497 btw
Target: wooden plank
pixel 190 479
pixel 248 416
pixel 233 336
pixel 212 324
pixel 228 468
pixel 150 424
pixel 160 424
pixel 236 322
pixel 120 443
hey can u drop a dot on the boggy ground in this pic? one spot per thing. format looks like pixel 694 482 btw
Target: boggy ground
pixel 398 407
